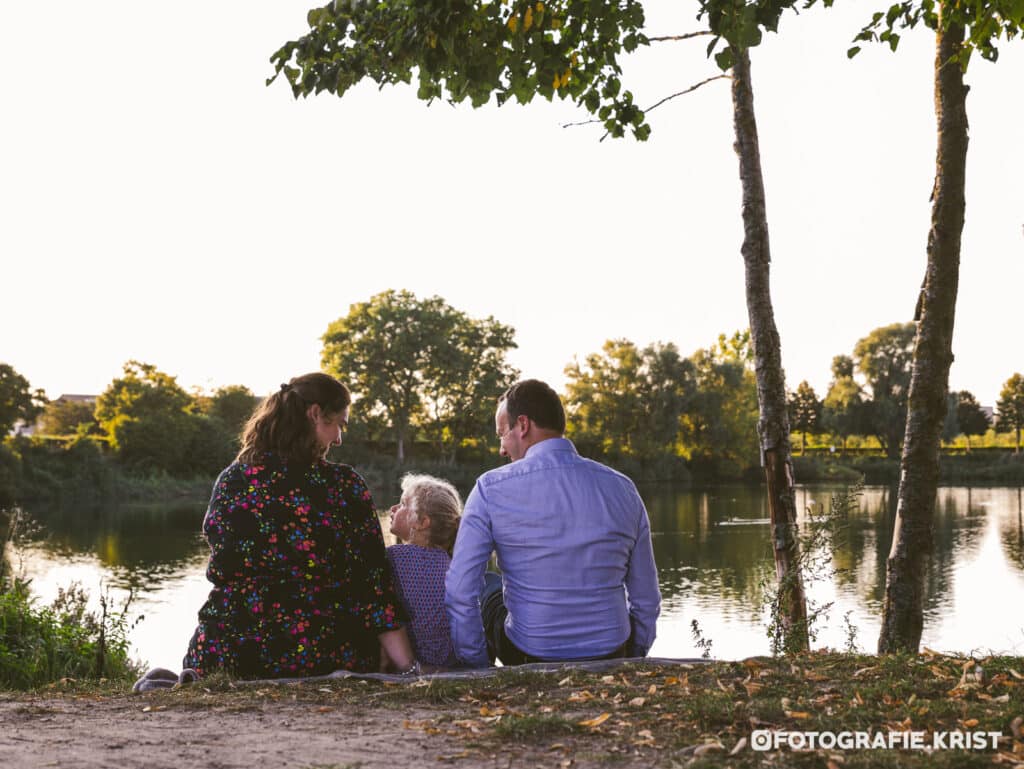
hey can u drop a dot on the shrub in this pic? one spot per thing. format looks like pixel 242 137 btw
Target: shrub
pixel 43 644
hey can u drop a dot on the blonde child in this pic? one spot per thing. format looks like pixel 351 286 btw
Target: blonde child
pixel 425 522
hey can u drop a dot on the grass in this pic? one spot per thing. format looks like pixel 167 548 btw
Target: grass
pixel 40 645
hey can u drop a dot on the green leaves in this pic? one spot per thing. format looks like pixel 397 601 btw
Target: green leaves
pixel 420 363
pixel 986 22
pixel 740 24
pixel 471 49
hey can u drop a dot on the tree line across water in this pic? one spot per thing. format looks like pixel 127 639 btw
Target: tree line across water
pixel 426 377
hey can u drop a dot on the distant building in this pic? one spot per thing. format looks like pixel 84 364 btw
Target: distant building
pixel 22 428
pixel 75 398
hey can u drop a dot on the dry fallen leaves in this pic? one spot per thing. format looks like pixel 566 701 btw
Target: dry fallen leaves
pixel 593 723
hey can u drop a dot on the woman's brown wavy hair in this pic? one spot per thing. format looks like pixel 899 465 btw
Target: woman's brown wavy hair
pixel 281 425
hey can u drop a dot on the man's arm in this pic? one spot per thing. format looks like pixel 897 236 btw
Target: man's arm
pixel 642 588
pixel 465 579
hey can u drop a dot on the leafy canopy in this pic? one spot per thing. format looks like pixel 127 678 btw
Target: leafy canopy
pixel 471 49
pixel 18 402
pixel 413 361
pixel 985 22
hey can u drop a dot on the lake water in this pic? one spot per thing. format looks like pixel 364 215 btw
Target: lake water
pixel 711 548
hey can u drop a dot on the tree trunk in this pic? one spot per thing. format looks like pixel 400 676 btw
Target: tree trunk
pixel 773 424
pixel 903 609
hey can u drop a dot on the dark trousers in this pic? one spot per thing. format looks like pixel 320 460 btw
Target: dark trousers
pixel 493 611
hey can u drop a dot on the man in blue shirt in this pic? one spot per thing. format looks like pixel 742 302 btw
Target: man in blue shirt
pixel 573 543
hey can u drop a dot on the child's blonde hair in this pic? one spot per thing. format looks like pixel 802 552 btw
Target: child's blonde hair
pixel 438 500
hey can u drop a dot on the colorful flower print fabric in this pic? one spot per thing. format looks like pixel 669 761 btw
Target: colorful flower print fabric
pixel 301 584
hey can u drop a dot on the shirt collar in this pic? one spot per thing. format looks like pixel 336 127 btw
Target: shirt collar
pixel 549 445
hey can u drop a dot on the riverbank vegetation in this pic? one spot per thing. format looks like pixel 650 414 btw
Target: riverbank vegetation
pixel 40 645
pixel 427 405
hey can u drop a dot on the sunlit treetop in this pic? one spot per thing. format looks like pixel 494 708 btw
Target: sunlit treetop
pixel 471 49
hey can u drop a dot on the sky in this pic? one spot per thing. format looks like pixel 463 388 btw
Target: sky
pixel 159 202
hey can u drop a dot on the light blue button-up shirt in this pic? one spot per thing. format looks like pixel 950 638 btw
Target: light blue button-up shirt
pixel 574 547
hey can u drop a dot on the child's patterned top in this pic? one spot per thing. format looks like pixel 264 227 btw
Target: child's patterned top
pixel 419 578
pixel 300 579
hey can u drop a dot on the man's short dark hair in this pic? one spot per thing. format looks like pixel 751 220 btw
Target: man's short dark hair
pixel 538 402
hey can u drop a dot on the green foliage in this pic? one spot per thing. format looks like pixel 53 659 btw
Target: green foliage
pixel 42 645
pixel 231 406
pixel 969 416
pixel 885 357
pixel 65 417
pixel 719 429
pixel 473 49
pixel 805 411
pixel 150 422
pixel 985 23
pixel 738 24
pixel 10 476
pixel 844 411
pixel 1010 406
pixel 414 361
pixel 463 378
pixel 18 402
pixel 627 402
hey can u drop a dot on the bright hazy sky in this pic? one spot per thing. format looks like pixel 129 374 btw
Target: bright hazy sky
pixel 159 202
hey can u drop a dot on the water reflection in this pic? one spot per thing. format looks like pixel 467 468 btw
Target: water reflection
pixel 714 555
pixel 711 547
pixel 138 547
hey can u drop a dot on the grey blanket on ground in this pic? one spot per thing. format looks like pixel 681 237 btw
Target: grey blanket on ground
pixel 161 678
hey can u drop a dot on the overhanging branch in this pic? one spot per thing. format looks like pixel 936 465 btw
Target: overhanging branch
pixel 687 36
pixel 691 89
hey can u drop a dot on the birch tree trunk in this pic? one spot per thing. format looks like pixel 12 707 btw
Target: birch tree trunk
pixel 903 609
pixel 773 425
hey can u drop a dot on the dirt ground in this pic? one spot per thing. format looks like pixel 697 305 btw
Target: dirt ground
pixel 120 732
pixel 155 731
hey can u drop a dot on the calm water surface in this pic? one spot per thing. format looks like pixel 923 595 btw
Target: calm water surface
pixel 711 548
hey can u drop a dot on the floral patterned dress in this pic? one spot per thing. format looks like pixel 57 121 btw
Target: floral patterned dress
pixel 301 584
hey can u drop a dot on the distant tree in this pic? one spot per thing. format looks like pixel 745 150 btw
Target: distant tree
pixel 885 357
pixel 398 351
pixel 627 402
pixel 232 406
pixel 719 425
pixel 970 417
pixel 804 411
pixel 463 380
pixel 18 401
pixel 145 414
pixel 66 417
pixel 844 411
pixel 1010 407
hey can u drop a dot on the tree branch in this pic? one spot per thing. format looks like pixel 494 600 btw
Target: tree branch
pixel 691 89
pixel 687 36
pixel 667 98
pixel 582 122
